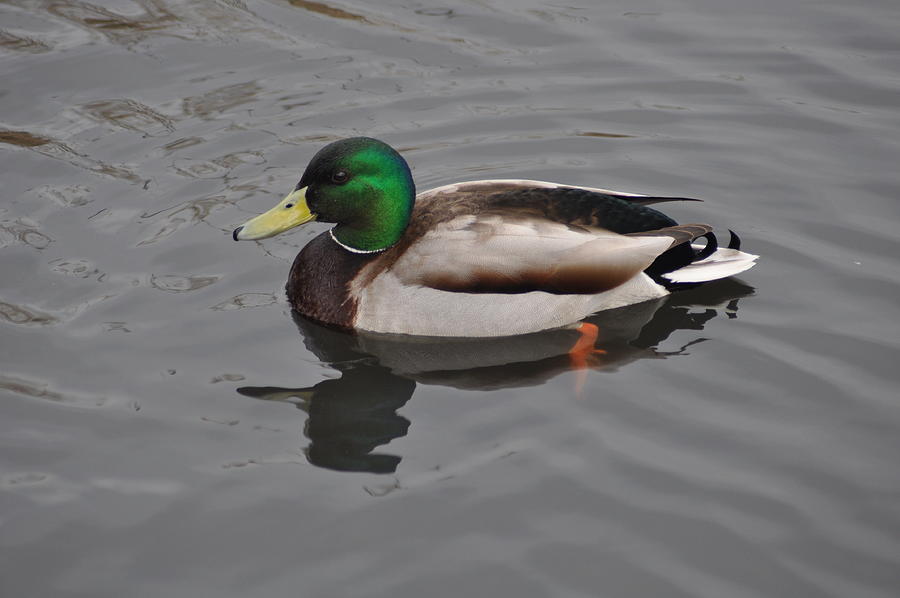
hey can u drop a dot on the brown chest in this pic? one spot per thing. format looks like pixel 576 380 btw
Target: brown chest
pixel 319 284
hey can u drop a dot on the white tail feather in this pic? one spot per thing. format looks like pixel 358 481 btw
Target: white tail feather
pixel 721 264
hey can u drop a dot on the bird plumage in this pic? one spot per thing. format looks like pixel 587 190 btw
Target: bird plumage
pixel 482 258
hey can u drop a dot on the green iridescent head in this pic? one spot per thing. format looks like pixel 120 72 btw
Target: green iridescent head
pixel 361 184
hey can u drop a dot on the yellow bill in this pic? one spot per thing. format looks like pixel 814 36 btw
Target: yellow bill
pixel 290 212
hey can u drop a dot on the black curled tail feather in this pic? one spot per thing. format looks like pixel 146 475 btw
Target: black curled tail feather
pixel 682 252
pixel 711 245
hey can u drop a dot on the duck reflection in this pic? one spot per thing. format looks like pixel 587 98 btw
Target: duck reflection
pixel 349 417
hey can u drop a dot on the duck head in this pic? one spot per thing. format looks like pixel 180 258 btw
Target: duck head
pixel 361 184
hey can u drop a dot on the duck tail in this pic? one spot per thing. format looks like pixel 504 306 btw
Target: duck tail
pixel 713 262
pixel 687 262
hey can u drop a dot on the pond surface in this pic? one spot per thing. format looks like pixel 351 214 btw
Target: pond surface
pixel 168 429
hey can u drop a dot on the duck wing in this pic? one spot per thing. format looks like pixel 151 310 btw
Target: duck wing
pixel 509 253
pixel 511 236
pixel 587 206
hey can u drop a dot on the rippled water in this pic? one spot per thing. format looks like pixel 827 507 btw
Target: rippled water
pixel 168 429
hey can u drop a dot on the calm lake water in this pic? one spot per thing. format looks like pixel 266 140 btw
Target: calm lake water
pixel 168 429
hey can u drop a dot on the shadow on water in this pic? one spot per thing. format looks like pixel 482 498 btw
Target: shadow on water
pixel 349 417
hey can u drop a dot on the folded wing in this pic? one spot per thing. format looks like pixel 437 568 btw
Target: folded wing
pixel 491 253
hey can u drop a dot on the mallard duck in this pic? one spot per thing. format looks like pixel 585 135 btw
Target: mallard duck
pixel 476 259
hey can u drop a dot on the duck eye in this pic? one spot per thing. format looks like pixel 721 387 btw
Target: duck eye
pixel 340 176
pixel 288 205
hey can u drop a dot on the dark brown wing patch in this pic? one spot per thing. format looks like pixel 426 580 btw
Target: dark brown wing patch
pixel 560 280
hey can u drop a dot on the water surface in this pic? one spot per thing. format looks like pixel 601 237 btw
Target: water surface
pixel 169 429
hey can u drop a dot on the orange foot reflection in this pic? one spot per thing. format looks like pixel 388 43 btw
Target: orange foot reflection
pixel 583 354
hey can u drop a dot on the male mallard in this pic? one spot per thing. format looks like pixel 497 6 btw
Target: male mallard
pixel 476 259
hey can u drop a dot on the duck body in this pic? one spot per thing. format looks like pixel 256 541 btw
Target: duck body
pixel 485 258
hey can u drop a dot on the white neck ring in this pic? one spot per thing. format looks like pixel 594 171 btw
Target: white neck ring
pixel 352 249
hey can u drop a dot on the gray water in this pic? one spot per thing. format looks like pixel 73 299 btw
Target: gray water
pixel 167 428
